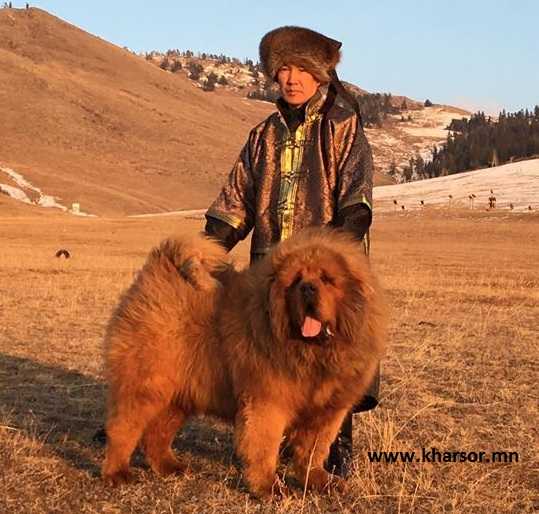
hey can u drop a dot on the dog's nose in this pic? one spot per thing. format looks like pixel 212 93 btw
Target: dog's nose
pixel 308 290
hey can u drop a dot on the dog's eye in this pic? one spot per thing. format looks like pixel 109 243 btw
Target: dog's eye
pixel 297 279
pixel 326 279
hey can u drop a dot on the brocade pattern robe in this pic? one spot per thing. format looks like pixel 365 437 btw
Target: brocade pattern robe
pixel 286 180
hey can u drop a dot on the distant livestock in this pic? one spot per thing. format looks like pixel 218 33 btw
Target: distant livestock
pixel 471 198
pixel 63 253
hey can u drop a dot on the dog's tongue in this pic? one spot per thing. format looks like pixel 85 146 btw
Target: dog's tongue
pixel 311 327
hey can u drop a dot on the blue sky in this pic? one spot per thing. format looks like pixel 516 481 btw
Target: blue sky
pixel 475 54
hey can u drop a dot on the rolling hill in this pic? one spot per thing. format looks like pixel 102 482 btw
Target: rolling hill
pixel 86 121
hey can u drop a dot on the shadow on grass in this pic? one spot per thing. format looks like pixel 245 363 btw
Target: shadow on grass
pixel 64 409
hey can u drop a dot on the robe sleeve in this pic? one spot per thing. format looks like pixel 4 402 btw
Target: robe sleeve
pixel 355 168
pixel 235 204
pixel 226 235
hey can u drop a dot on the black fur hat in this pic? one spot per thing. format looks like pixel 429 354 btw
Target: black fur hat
pixel 313 51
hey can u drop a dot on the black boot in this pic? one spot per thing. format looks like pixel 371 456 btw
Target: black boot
pixel 100 437
pixel 340 453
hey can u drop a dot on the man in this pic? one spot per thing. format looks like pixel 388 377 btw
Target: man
pixel 308 164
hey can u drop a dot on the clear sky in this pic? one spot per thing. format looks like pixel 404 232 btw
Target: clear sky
pixel 476 54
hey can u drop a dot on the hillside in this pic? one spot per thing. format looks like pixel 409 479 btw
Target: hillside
pixel 515 187
pixel 411 132
pixel 86 121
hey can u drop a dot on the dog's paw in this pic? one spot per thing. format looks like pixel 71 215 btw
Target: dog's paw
pixel 121 477
pixel 277 490
pixel 324 482
pixel 337 484
pixel 169 467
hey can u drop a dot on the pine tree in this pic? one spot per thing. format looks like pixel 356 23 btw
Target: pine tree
pixel 176 66
pixel 209 83
pixel 195 70
pixel 165 63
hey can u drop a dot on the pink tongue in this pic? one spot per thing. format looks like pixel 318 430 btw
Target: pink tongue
pixel 311 327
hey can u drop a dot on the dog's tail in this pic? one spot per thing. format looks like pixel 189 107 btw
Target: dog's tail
pixel 198 259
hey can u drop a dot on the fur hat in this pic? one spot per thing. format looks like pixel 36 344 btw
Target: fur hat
pixel 299 46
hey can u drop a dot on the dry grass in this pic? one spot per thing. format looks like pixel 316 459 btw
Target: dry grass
pixel 461 373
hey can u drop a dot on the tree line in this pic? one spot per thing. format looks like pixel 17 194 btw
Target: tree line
pixel 172 59
pixel 480 142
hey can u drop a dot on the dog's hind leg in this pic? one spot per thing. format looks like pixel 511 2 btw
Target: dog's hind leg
pixel 157 441
pixel 124 430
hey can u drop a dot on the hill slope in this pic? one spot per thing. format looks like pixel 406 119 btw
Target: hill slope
pixel 87 121
pixel 515 187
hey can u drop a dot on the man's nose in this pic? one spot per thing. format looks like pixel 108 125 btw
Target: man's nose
pixel 293 76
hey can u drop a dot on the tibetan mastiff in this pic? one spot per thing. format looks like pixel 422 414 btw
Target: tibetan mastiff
pixel 284 348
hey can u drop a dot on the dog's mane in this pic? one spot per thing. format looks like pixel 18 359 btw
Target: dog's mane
pixel 362 315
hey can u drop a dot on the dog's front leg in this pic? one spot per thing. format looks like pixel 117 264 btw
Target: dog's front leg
pixel 258 433
pixel 311 445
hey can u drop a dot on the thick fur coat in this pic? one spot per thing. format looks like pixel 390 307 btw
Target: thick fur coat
pixel 285 347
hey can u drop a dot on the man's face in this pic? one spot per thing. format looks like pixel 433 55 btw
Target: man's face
pixel 296 84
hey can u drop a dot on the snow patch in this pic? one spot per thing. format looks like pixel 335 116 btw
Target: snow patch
pixel 15 193
pixel 19 193
pixel 516 183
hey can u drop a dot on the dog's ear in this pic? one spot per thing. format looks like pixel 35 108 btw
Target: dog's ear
pixel 270 323
pixel 277 310
pixel 362 315
pixel 351 312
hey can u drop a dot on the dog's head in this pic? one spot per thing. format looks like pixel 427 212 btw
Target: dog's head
pixel 319 288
